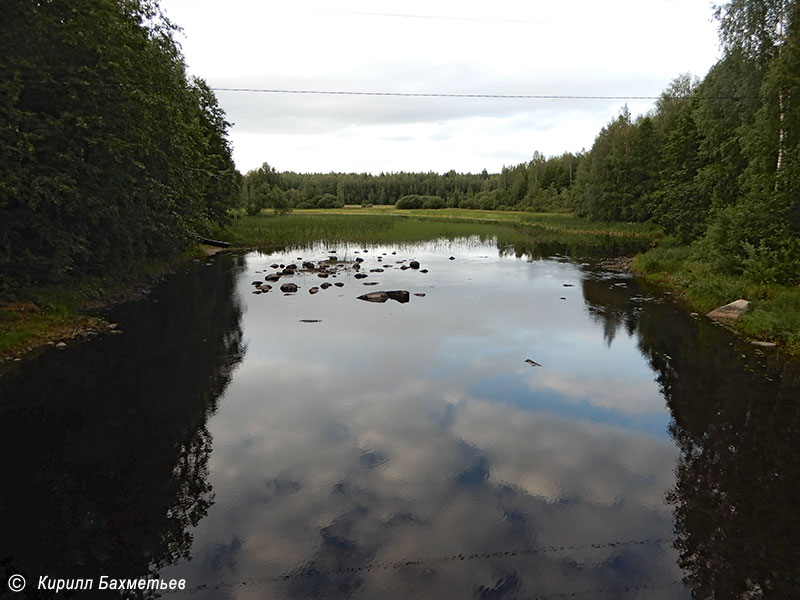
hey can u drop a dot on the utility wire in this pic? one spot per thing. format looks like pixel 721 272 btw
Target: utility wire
pixel 434 94
pixel 393 94
pixel 489 96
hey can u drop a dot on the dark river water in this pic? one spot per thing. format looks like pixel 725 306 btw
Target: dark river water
pixel 321 446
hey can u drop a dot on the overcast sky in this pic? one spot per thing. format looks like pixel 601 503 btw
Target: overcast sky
pixel 509 47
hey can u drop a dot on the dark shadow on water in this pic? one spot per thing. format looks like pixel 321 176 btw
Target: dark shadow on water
pixel 736 420
pixel 105 468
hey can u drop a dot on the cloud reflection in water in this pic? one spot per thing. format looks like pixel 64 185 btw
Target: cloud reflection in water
pixel 399 433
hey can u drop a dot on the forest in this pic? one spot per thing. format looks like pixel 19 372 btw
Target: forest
pixel 110 155
pixel 716 163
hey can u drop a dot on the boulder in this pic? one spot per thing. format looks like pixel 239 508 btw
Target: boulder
pixel 313 290
pixel 337 284
pixel 325 285
pixel 360 275
pixel 272 277
pixel 401 296
pixel 414 264
pixel 289 288
pixel 730 312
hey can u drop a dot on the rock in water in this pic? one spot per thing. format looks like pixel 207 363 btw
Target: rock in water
pixel 414 264
pixel 730 312
pixel 289 288
pixel 401 296
pixel 313 290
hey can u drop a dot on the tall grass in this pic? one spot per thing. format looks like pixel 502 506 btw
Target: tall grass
pixel 385 226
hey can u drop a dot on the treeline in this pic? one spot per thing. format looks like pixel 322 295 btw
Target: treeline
pixel 717 163
pixel 541 184
pixel 110 155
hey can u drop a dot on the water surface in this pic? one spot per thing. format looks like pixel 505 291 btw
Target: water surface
pixel 316 445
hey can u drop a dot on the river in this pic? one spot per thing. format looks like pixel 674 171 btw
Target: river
pixel 527 425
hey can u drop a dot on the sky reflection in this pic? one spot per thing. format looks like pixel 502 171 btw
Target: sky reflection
pixel 416 432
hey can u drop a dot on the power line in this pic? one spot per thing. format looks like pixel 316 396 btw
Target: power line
pixel 92 84
pixel 489 96
pixel 433 94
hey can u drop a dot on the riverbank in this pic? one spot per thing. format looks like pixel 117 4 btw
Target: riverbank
pixel 389 225
pixel 775 309
pixel 76 311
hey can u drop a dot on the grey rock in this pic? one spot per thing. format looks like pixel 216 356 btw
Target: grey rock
pixel 731 311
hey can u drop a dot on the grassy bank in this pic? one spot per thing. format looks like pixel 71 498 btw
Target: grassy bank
pixel 59 312
pixel 388 225
pixel 775 309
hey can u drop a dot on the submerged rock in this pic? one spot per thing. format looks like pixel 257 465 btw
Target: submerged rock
pixel 313 290
pixel 731 311
pixel 360 275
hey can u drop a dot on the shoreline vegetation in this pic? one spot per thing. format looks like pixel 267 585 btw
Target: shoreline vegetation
pixel 57 313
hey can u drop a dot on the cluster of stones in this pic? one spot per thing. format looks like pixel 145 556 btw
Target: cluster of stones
pixel 323 269
pixel 331 268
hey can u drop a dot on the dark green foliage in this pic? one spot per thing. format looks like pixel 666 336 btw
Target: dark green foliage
pixel 716 164
pixel 415 201
pixel 619 176
pixel 109 154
